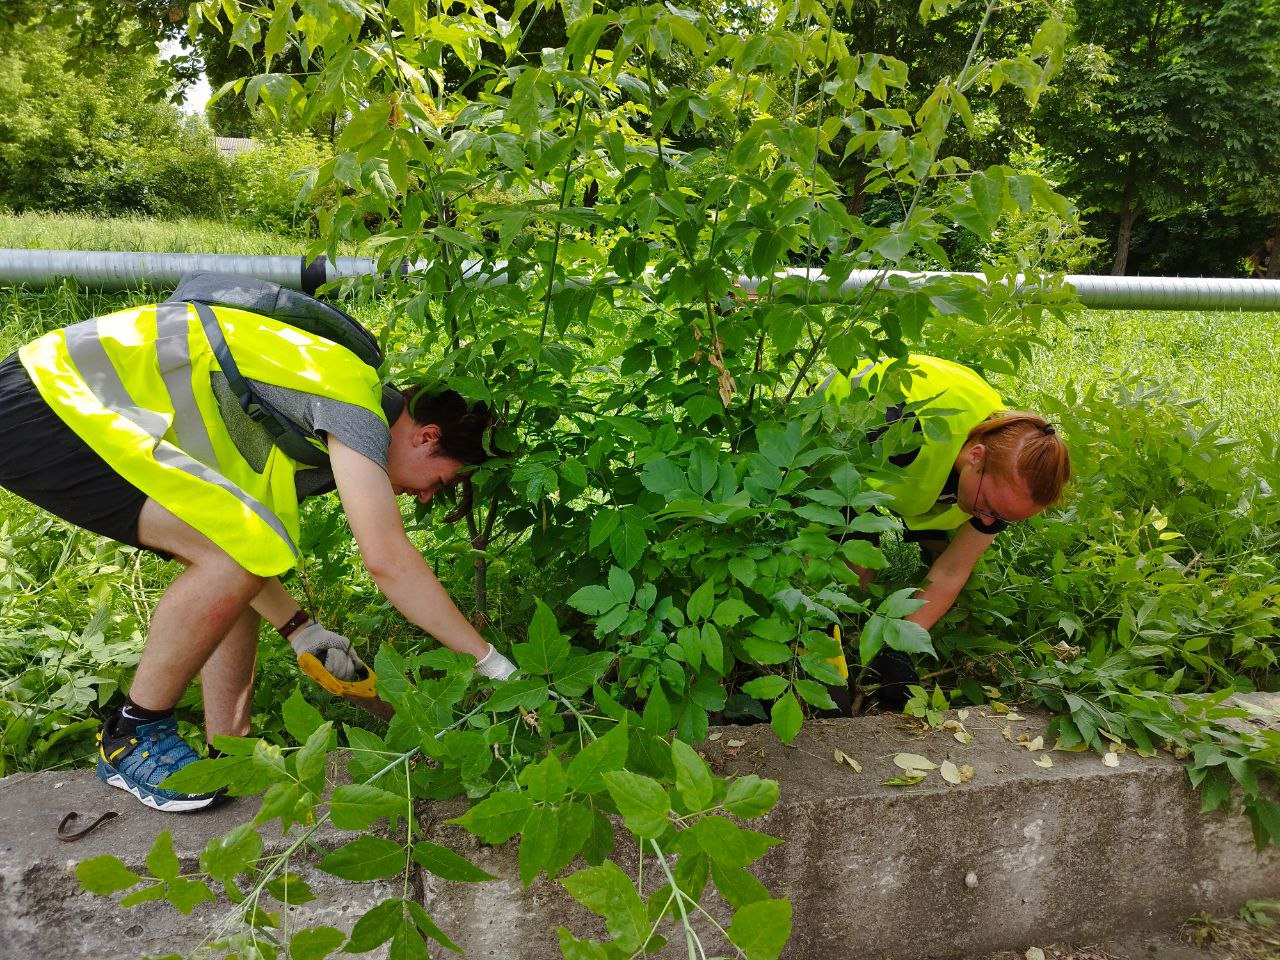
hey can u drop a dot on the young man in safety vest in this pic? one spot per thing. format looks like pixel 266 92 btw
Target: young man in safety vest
pixel 124 425
pixel 977 469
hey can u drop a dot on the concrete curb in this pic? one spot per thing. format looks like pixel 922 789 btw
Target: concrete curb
pixel 1075 852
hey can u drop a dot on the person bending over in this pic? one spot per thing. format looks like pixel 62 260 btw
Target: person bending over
pixel 125 425
pixel 976 469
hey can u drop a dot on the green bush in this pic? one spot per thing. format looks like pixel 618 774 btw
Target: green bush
pixel 267 179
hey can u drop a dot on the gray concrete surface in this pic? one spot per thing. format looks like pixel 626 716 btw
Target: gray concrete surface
pixel 1080 852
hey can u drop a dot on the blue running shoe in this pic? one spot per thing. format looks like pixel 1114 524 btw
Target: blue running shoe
pixel 140 762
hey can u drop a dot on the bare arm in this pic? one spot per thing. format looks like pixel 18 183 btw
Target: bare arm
pixel 399 570
pixel 274 603
pixel 949 573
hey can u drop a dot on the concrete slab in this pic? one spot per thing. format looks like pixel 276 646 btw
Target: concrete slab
pixel 1016 857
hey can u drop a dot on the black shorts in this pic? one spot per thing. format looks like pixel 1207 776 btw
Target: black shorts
pixel 43 461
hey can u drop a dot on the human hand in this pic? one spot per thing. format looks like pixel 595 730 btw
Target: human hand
pixel 494 665
pixel 333 650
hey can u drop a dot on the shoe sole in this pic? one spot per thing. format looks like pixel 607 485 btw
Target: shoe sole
pixel 165 806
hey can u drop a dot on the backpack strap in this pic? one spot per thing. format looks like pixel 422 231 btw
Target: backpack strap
pixel 282 431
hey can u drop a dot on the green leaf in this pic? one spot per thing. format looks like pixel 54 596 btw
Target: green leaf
pixel 225 857
pixel 186 895
pixel 593 600
pixel 545 780
pixel 602 525
pixel 621 585
pixel 365 858
pixel 429 927
pixel 576 677
pixel 730 611
pixel 105 874
pixel 900 603
pixel 314 753
pixel 315 943
pixel 751 796
pixel 908 637
pixel 497 818
pixel 527 692
pixel 761 929
pixel 376 926
pixel 290 889
pixel 702 602
pixel 786 718
pixel 737 885
pixel 766 688
pixel 446 864
pixel 663 477
pixel 162 861
pixel 538 843
pixel 301 719
pixel 607 892
pixel 641 801
pixel 356 806
pixel 693 780
pixel 766 652
pixel 547 649
pixel 585 773
pixel 726 842
pixel 815 694
pixel 628 543
pixel 157 891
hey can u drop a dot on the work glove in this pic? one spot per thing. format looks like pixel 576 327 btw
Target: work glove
pixel 494 665
pixel 333 650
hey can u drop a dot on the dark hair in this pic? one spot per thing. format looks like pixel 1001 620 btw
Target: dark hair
pixel 465 428
pixel 466 432
pixel 1025 445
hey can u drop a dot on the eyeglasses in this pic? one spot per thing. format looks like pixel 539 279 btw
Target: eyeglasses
pixel 988 515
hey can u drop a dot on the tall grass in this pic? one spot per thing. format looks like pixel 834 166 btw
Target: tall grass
pixel 1226 359
pixel 59 231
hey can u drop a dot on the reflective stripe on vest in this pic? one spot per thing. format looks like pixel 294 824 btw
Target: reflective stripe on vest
pixel 135 386
pixel 934 385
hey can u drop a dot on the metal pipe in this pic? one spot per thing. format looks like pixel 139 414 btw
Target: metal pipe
pixel 107 270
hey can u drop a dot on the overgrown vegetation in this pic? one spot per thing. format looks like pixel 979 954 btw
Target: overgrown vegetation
pixel 678 478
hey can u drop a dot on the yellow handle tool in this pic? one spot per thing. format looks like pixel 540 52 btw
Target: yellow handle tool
pixel 366 688
pixel 839 662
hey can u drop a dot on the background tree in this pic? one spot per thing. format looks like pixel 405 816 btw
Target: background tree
pixel 1189 87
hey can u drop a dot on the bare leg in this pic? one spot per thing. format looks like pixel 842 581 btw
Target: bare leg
pixel 226 679
pixel 195 613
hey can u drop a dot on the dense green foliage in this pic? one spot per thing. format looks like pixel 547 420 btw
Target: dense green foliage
pixel 1158 127
pixel 665 531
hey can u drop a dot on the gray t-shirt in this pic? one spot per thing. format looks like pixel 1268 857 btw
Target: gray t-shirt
pixel 315 416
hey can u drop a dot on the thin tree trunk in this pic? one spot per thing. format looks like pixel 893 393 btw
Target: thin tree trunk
pixel 1128 214
pixel 1273 261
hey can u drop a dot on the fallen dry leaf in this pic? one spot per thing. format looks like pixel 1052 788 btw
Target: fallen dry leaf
pixel 1111 760
pixel 1046 761
pixel 715 736
pixel 964 736
pixel 1007 732
pixel 1036 744
pixel 735 744
pixel 842 757
pixel 950 773
pixel 1015 718
pixel 913 762
pixel 1034 953
pixel 963 715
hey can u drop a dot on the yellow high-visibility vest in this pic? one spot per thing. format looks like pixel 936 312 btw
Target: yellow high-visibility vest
pixel 136 387
pixel 957 397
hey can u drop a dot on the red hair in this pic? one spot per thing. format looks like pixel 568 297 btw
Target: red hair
pixel 1025 446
